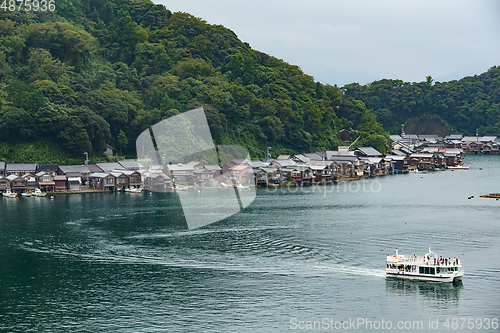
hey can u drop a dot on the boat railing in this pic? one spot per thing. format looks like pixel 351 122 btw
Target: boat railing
pixel 420 261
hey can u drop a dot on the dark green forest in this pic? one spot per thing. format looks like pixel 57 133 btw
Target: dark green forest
pixel 462 105
pixel 99 72
pixel 93 73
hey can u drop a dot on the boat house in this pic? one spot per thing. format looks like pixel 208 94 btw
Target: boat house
pixel 4 183
pixel 17 183
pixel 46 181
pixel 60 183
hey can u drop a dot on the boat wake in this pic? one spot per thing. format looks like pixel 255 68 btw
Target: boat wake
pixel 352 270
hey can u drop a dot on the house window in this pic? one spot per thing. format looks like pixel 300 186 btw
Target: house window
pixel 3 183
pixel 109 180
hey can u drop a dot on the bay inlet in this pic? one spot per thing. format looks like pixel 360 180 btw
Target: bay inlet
pixel 102 262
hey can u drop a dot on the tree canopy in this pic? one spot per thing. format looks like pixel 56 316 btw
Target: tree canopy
pixel 465 105
pixel 93 73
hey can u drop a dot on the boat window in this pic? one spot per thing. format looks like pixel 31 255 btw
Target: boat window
pixel 421 270
pixel 432 270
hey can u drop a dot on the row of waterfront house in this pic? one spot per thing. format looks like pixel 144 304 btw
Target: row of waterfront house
pixel 27 177
pixel 469 144
pixel 407 153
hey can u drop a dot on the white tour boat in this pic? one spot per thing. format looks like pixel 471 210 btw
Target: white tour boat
pixel 9 194
pixel 429 267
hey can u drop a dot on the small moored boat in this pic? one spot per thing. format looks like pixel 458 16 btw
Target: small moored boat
pixel 180 188
pixel 459 167
pixel 38 193
pixel 9 194
pixel 133 190
pixel 240 186
pixel 26 194
pixel 429 267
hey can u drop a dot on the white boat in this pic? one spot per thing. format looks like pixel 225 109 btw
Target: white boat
pixel 9 194
pixel 223 184
pixel 181 188
pixel 133 190
pixel 26 194
pixel 38 193
pixel 429 267
pixel 240 186
pixel 459 167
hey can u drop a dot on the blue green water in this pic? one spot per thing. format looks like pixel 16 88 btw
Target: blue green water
pixel 127 263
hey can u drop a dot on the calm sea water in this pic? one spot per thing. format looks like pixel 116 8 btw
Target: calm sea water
pixel 127 263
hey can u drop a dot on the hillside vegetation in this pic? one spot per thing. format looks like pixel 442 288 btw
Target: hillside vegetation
pixel 93 73
pixel 462 105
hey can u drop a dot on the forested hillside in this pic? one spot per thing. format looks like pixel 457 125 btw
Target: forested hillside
pixel 464 105
pixel 93 73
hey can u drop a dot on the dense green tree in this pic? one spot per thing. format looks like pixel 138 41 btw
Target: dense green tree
pixel 272 128
pixel 16 124
pixel 121 141
pixel 97 72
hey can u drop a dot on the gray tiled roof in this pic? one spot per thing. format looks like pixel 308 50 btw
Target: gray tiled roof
pixel 46 167
pixel 132 164
pixel 313 156
pixel 395 137
pixel 454 137
pixel 488 138
pixel 107 167
pixel 259 164
pixel 369 151
pixel 74 168
pixel 21 167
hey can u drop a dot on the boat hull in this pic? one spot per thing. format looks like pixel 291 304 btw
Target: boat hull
pixel 128 190
pixel 458 167
pixel 436 278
